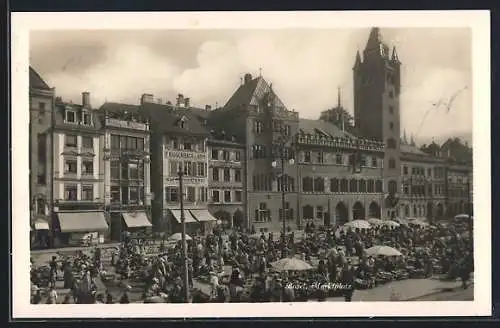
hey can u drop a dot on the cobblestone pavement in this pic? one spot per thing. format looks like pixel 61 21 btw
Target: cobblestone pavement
pixel 457 294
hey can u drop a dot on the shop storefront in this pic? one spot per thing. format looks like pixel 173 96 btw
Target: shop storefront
pixel 40 234
pixel 207 220
pixel 80 228
pixel 134 223
pixel 192 225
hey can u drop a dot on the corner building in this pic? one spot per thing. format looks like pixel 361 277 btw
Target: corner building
pixel 377 86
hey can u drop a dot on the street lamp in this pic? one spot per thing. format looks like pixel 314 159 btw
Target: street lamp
pixel 184 244
pixel 282 182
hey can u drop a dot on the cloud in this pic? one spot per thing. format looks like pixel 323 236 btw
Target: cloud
pixel 305 66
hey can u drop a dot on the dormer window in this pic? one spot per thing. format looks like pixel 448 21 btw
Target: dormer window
pixel 70 116
pixel 86 118
pixel 183 123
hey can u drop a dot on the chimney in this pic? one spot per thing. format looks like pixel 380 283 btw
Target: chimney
pixel 180 100
pixel 86 99
pixel 248 78
pixel 147 98
pixel 208 108
pixel 186 102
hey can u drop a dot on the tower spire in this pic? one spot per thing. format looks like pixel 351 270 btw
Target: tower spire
pixel 338 98
pixel 358 59
pixel 375 38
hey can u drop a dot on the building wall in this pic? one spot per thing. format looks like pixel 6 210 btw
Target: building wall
pixel 41 111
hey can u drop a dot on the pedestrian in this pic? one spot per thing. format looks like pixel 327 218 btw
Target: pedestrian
pixel 347 278
pixel 37 298
pixel 52 296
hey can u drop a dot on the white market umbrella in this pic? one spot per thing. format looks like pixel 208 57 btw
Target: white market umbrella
pixel 291 264
pixel 391 224
pixel 178 237
pixel 358 224
pixel 419 222
pixel 375 221
pixel 382 251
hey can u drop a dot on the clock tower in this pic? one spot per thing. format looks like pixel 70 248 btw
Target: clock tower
pixel 377 86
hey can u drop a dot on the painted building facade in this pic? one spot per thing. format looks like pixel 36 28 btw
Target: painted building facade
pixel 78 176
pixel 127 169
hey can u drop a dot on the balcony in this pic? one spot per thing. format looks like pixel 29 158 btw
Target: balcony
pixel 337 142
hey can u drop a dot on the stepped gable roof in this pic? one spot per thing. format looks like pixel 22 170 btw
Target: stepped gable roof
pixel 321 127
pixel 36 81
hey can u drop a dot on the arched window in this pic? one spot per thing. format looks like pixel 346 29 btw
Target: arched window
pixel 307 184
pixel 392 163
pixel 393 187
pixel 378 186
pixel 344 185
pixel 362 186
pixel 391 143
pixel 371 186
pixel 334 185
pixel 308 212
pixel 319 184
pixel 353 185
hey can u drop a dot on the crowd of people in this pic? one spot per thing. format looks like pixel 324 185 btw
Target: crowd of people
pixel 337 257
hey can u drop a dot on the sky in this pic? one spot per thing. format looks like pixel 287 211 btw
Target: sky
pixel 305 66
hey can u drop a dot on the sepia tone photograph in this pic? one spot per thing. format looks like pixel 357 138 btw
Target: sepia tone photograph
pixel 251 165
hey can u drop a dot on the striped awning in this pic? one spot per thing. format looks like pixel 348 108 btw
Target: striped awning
pixel 187 216
pixel 203 215
pixel 82 221
pixel 136 219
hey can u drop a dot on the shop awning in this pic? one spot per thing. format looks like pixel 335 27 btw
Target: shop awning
pixel 41 225
pixel 82 221
pixel 187 216
pixel 203 215
pixel 136 219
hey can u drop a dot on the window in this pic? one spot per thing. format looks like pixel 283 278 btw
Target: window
pixel 140 144
pixel 371 186
pixel 406 189
pixel 88 167
pixel 391 143
pixel 320 157
pixel 334 185
pixel 362 186
pixel 307 184
pixel 237 175
pixel 259 151
pixel 429 172
pixel 70 140
pixel 41 105
pixel 40 206
pixel 140 169
pixel 391 109
pixel 353 185
pixel 134 195
pixel 215 154
pixel 227 174
pixel 172 194
pixel 141 196
pixel 391 125
pixel 319 184
pixel 374 161
pixel 131 143
pixel 70 166
pixel 87 192
pixel 391 94
pixel 115 142
pixel 123 142
pixel 174 169
pixel 175 143
pixel 133 171
pixel 307 156
pixel 70 192
pixel 191 194
pixel 308 212
pixel 124 169
pixel 351 160
pixel 338 159
pixel 188 168
pixel 41 178
pixel 392 163
pixel 362 160
pixel 203 194
pixel 287 130
pixel 115 170
pixel 215 174
pixel 188 145
pixel 215 196
pixel 393 187
pixel 115 194
pixel 262 214
pixel 227 196
pixel 405 170
pixel 378 186
pixel 238 196
pixel 87 118
pixel 201 169
pixel 258 127
pixel 124 195
pixel 225 155
pixel 70 116
pixel 319 212
pixel 42 147
pixel 344 185
pixel 237 155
